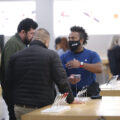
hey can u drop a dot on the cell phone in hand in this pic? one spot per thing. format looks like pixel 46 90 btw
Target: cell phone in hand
pixel 77 76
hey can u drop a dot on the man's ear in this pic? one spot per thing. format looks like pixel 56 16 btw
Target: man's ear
pixel 81 41
pixel 47 43
pixel 23 32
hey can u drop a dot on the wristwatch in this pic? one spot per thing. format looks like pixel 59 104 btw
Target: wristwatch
pixel 81 64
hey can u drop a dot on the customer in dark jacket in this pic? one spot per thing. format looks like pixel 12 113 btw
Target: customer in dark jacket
pixel 31 76
pixel 17 42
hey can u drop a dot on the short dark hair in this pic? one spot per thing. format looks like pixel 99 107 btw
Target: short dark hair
pixel 81 31
pixel 26 25
pixel 57 40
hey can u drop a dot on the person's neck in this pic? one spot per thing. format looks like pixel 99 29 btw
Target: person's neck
pixel 80 49
pixel 64 49
pixel 58 47
pixel 21 36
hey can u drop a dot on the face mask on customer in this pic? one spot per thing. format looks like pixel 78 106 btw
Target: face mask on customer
pixel 74 45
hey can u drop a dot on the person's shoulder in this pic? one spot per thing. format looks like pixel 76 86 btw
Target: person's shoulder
pixel 90 51
pixel 94 55
pixel 48 52
pixel 51 52
pixel 117 47
pixel 12 40
pixel 66 54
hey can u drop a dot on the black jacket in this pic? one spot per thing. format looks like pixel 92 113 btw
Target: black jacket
pixel 114 60
pixel 31 75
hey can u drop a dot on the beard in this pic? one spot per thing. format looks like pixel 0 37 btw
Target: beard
pixel 27 41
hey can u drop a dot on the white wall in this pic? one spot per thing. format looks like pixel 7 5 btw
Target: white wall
pixel 99 43
pixel 44 11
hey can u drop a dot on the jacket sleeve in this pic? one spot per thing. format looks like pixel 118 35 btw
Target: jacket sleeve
pixel 9 50
pixel 60 77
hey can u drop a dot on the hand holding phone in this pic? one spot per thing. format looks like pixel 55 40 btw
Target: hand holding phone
pixel 74 78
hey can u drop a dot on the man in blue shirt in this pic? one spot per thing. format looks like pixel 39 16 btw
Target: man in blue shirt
pixel 80 60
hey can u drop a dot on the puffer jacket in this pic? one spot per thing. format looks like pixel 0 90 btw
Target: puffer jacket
pixel 31 76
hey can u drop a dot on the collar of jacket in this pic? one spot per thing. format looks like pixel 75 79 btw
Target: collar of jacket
pixel 37 42
pixel 17 35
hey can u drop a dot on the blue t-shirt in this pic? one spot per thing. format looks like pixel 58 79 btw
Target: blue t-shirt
pixel 87 56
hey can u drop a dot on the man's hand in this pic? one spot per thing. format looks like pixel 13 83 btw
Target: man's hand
pixel 77 102
pixel 73 80
pixel 73 64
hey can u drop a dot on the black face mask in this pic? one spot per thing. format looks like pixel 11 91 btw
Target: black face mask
pixel 74 45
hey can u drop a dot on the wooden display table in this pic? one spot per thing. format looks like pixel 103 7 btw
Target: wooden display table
pixel 107 108
pixel 110 90
pixel 105 60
